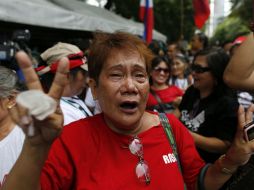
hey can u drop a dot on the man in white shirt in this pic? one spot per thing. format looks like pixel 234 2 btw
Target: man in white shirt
pixel 72 106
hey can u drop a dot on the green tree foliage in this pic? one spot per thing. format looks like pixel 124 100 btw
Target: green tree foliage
pixel 242 9
pixel 228 30
pixel 236 23
pixel 167 16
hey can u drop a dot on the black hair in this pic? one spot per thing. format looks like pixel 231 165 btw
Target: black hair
pixel 157 46
pixel 155 62
pixel 217 60
pixel 184 58
pixel 204 39
pixel 47 78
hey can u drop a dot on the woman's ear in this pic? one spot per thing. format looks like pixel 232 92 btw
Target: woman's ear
pixel 11 100
pixel 93 86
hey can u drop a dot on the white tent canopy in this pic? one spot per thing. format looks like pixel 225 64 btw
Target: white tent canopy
pixel 68 14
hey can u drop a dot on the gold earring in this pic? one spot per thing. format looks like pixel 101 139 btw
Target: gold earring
pixel 11 105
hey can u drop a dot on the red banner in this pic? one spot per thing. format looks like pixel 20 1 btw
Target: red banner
pixel 201 12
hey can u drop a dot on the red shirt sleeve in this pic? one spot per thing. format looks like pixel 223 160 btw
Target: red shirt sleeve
pixel 57 172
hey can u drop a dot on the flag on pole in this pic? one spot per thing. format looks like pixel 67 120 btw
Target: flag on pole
pixel 201 12
pixel 146 15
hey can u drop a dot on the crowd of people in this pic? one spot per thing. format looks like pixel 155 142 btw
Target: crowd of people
pixel 107 130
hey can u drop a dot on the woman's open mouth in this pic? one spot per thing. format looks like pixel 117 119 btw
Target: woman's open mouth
pixel 129 106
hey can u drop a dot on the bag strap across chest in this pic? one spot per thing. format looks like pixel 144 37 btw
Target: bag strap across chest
pixel 168 130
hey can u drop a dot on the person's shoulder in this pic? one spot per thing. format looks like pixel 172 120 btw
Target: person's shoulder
pixel 174 122
pixel 179 130
pixel 173 87
pixel 16 132
pixel 191 93
pixel 82 125
pixel 191 89
pixel 172 117
pixel 228 100
pixel 226 105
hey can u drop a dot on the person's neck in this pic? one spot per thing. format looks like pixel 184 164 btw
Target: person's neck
pixel 142 125
pixel 6 126
pixel 181 76
pixel 205 93
pixel 67 94
pixel 157 86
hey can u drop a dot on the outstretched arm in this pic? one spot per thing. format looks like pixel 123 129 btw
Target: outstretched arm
pixel 210 144
pixel 25 174
pixel 240 70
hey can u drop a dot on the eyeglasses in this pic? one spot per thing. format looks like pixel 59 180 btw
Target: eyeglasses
pixel 198 69
pixel 142 170
pixel 159 69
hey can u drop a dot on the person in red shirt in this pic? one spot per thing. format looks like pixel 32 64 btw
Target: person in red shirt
pixel 162 97
pixel 124 147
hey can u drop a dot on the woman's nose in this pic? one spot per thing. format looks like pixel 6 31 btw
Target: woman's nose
pixel 129 85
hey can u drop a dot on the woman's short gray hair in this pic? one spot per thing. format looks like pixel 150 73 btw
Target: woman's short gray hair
pixel 8 82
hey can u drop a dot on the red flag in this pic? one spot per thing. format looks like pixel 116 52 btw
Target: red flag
pixel 146 15
pixel 201 12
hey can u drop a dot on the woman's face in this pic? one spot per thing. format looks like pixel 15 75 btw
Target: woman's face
pixel 196 44
pixel 178 68
pixel 76 85
pixel 160 74
pixel 203 80
pixel 122 90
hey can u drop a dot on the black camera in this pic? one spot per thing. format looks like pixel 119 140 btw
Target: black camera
pixel 249 131
pixel 7 52
pixel 8 48
pixel 21 35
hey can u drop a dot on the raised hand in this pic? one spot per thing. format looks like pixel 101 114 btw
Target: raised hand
pixel 241 150
pixel 47 130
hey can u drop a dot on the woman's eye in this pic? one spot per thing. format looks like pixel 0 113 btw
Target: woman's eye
pixel 140 77
pixel 116 75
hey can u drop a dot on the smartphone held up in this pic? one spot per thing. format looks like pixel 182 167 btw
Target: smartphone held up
pixel 249 131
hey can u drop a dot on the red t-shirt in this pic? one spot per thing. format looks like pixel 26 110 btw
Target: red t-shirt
pixel 88 155
pixel 166 95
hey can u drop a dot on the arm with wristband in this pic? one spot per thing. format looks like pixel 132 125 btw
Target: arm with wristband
pixel 214 176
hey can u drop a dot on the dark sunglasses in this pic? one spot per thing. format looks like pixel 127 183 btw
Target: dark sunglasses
pixel 158 69
pixel 198 69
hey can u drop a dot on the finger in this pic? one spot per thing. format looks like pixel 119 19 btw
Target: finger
pixel 249 114
pixel 25 64
pixel 60 79
pixel 241 117
pixel 241 123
